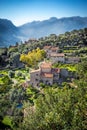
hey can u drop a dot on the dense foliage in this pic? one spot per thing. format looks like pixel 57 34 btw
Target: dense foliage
pixel 33 57
pixel 58 109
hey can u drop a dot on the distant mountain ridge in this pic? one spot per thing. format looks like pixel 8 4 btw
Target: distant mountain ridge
pixel 10 34
pixel 53 25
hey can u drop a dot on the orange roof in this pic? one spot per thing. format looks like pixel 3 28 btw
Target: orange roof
pixel 57 54
pixel 54 48
pixel 46 65
pixel 34 71
pixel 47 47
pixel 47 75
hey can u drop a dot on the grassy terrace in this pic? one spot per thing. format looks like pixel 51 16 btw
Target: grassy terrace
pixel 70 67
pixel 7 121
pixel 75 49
pixel 19 75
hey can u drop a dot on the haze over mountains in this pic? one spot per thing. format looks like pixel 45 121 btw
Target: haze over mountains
pixel 10 34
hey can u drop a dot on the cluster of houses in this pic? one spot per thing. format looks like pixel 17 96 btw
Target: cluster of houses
pixel 46 73
pixel 54 55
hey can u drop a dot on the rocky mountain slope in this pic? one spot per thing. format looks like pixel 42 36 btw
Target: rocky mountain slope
pixel 54 25
pixel 10 34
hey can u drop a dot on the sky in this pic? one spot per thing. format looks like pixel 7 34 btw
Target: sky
pixel 23 11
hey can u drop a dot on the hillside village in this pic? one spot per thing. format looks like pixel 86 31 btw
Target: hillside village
pixel 43 64
pixel 46 73
pixel 45 79
pixel 67 49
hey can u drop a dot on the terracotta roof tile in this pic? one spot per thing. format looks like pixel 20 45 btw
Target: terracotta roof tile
pixel 47 75
pixel 34 71
pixel 57 54
pixel 54 48
pixel 46 65
pixel 47 47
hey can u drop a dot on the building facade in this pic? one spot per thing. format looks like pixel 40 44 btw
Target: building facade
pixel 50 49
pixel 57 57
pixel 45 74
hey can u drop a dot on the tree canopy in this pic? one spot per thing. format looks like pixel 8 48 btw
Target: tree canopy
pixel 33 57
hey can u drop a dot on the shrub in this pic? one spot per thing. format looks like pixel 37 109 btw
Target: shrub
pixel 11 74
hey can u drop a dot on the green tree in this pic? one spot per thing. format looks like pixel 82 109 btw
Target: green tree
pixel 58 109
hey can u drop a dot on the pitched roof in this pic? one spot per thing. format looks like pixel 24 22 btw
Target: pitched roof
pixel 57 54
pixel 47 75
pixel 34 71
pixel 54 48
pixel 47 47
pixel 46 65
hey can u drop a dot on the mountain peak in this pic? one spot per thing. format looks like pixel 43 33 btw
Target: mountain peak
pixel 53 18
pixel 9 34
pixel 5 21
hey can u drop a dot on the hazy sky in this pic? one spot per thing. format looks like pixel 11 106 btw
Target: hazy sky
pixel 22 11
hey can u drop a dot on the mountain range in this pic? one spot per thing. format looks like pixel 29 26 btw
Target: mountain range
pixel 10 34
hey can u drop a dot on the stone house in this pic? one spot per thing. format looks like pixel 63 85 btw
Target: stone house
pixel 54 55
pixel 47 78
pixel 50 49
pixel 47 48
pixel 72 60
pixel 56 74
pixel 54 49
pixel 35 77
pixel 57 57
pixel 45 74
